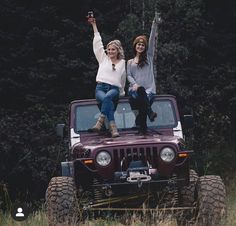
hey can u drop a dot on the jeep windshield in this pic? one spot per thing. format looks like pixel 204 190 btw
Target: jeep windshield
pixel 86 116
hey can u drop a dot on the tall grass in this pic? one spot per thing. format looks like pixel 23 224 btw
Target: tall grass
pixel 231 202
pixel 39 218
pixel 36 219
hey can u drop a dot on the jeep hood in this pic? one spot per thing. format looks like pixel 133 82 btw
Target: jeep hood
pixel 126 139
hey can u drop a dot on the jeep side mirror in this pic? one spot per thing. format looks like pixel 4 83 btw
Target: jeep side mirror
pixel 188 121
pixel 60 130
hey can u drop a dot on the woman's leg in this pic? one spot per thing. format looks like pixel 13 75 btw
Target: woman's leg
pixel 108 107
pixel 107 95
pixel 151 114
pixel 134 104
pixel 143 108
pixel 108 103
pixel 100 93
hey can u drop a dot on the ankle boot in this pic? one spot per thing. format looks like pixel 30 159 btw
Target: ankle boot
pixel 99 124
pixel 152 116
pixel 113 130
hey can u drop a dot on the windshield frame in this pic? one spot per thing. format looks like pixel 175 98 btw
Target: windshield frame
pixel 91 103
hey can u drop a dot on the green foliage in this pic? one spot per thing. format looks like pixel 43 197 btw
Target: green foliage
pixel 30 152
pixel 218 157
pixel 129 28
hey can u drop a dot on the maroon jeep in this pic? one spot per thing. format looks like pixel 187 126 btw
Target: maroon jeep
pixel 133 170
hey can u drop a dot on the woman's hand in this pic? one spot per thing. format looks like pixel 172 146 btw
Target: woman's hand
pixel 157 18
pixel 91 20
pixel 135 87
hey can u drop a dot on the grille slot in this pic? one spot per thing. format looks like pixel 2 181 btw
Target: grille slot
pixel 134 154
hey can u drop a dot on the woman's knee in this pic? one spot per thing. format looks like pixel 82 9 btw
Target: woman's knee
pixel 141 91
pixel 100 95
pixel 111 96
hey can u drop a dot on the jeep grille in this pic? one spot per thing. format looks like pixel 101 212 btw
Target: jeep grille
pixel 147 154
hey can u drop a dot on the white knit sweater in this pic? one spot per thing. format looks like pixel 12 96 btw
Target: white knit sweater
pixel 105 72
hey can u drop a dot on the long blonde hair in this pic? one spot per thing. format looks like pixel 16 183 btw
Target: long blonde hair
pixel 119 47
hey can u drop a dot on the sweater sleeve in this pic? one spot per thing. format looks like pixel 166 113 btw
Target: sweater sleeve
pixel 129 74
pixel 98 47
pixel 151 44
pixel 123 81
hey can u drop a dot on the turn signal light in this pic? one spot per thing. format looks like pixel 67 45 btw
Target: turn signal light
pixel 183 155
pixel 88 161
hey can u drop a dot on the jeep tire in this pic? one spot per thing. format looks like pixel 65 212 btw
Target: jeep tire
pixel 188 193
pixel 61 201
pixel 211 202
pixel 188 198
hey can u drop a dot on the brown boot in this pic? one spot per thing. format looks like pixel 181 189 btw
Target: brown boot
pixel 99 123
pixel 113 130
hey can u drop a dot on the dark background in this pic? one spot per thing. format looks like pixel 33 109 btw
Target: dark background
pixel 46 61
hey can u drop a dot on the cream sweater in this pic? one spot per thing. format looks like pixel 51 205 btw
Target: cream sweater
pixel 105 72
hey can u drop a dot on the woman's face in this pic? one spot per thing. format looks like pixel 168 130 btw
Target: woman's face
pixel 112 51
pixel 140 47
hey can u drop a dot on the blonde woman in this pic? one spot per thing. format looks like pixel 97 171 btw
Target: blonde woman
pixel 111 78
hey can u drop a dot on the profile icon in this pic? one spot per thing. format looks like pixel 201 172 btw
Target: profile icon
pixel 19 211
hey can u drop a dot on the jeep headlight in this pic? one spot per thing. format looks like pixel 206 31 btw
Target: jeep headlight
pixel 167 154
pixel 103 158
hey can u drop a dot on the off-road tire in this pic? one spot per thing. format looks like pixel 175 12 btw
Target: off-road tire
pixel 211 202
pixel 61 201
pixel 188 197
pixel 188 193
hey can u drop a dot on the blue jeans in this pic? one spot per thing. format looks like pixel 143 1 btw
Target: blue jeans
pixel 106 95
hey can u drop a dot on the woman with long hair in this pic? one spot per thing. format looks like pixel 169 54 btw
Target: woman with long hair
pixel 141 79
pixel 111 78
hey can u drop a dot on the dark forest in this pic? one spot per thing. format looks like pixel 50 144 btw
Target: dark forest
pixel 46 61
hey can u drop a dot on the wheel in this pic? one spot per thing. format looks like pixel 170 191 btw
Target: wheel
pixel 61 201
pixel 211 201
pixel 188 193
pixel 188 197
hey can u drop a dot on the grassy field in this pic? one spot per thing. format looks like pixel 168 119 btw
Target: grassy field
pixel 231 204
pixel 39 218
